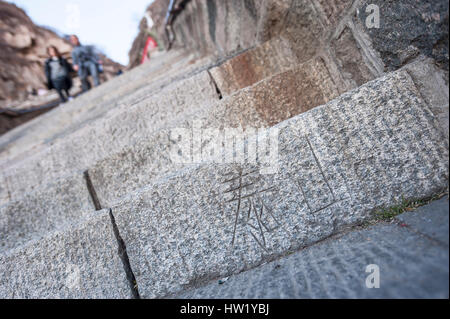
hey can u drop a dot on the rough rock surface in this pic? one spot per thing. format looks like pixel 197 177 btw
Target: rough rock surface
pixel 43 210
pixel 79 262
pixel 336 268
pixel 210 221
pixel 409 28
pixel 176 225
pixel 254 107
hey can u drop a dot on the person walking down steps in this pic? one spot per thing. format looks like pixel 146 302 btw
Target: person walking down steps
pixel 85 62
pixel 57 71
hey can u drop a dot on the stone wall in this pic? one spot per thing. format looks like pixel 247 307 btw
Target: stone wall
pixel 407 29
pixel 138 45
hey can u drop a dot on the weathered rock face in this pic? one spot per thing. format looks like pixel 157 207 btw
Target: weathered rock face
pixel 225 27
pixel 157 11
pixel 138 44
pixel 23 53
pixel 409 28
pixel 220 27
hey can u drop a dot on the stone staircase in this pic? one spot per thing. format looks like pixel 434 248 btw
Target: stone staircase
pixel 95 204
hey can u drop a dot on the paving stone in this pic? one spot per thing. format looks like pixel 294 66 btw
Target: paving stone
pixel 112 133
pixel 134 167
pixel 43 210
pixel 78 262
pixel 210 221
pixel 410 265
pixel 38 130
pixel 248 68
pixel 431 220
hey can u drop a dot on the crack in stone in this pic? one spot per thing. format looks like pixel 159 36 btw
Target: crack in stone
pixel 122 249
pixel 124 257
pixel 218 91
pixel 92 191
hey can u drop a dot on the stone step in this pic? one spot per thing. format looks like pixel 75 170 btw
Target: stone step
pixel 48 208
pixel 262 105
pixel 336 163
pixel 72 119
pixel 295 30
pixel 245 69
pixel 143 91
pixel 70 194
pixel 89 96
pixel 272 57
pixel 254 65
pixel 114 131
pixel 134 167
pixel 127 155
pixel 369 148
pixel 81 261
pixel 336 267
pixel 88 106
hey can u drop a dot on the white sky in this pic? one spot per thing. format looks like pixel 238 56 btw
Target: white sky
pixel 111 25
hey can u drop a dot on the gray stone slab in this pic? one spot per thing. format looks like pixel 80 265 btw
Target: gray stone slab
pixel 79 262
pixel 371 147
pixel 431 220
pixel 252 66
pixel 433 85
pixel 34 134
pixel 410 266
pixel 257 106
pixel 43 210
pixel 127 169
pixel 135 91
pixel 108 135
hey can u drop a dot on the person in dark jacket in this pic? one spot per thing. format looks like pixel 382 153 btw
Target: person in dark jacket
pixel 57 71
